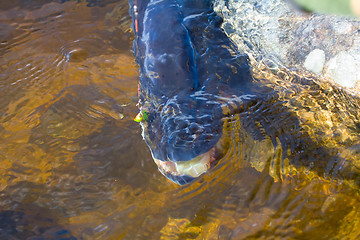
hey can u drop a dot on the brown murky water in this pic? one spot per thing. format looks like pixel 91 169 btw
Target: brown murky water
pixel 73 164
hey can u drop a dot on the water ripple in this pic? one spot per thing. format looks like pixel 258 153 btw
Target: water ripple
pixel 73 163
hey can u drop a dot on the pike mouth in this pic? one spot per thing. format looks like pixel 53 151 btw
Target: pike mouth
pixel 192 168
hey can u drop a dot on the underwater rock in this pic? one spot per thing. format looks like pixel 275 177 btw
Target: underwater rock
pixel 279 32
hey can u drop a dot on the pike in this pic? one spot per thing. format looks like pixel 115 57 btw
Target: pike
pixel 265 67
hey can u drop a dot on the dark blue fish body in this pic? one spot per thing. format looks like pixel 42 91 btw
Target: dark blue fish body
pixel 166 54
pixel 179 47
pixel 186 63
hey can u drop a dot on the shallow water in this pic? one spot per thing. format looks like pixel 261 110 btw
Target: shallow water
pixel 73 164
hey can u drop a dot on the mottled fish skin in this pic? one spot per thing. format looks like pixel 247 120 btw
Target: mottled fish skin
pixel 167 55
pixel 186 63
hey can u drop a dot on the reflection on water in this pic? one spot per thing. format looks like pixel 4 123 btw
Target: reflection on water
pixel 73 164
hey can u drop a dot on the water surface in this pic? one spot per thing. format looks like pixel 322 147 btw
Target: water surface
pixel 73 164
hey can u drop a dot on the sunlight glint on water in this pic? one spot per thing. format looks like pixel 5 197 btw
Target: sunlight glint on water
pixel 73 164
